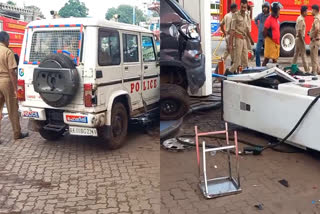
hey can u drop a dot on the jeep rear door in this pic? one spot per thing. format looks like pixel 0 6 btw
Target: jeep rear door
pixel 151 71
pixel 132 72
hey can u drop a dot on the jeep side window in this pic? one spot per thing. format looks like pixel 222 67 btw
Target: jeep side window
pixel 109 47
pixel 130 48
pixel 148 51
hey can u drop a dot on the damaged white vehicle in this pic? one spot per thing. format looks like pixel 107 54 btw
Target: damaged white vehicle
pixel 275 103
pixel 87 77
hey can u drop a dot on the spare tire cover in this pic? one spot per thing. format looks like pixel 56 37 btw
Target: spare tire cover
pixel 56 80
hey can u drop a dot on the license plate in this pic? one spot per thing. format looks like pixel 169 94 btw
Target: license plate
pixel 83 131
pixel 30 114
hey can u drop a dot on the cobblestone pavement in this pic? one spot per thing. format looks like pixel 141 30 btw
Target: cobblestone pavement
pixel 260 177
pixel 78 175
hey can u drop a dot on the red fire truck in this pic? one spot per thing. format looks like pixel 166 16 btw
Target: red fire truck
pixel 15 29
pixel 10 21
pixel 288 16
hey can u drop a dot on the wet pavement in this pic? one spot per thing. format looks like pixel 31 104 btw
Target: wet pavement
pixel 260 176
pixel 78 174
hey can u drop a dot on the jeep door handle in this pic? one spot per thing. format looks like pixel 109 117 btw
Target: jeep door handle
pixel 126 68
pixel 146 67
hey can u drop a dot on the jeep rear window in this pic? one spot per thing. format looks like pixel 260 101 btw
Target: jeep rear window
pixel 45 43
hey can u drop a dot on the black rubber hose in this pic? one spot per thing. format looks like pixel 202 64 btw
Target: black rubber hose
pixel 296 126
pixel 272 146
pixel 230 138
pixel 205 107
pixel 214 136
pixel 200 144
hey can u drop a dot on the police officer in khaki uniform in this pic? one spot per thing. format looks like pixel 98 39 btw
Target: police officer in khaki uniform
pixel 249 18
pixel 238 36
pixel 300 39
pixel 315 40
pixel 8 85
pixel 226 22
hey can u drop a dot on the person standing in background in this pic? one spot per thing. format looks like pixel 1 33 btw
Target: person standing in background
pixel 315 40
pixel 8 85
pixel 249 19
pixel 271 33
pixel 300 39
pixel 238 38
pixel 225 26
pixel 259 21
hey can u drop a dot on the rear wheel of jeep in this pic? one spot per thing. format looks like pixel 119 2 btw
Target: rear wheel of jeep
pixel 50 135
pixel 174 102
pixel 119 126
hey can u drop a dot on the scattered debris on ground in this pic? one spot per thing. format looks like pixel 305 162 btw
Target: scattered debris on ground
pixel 284 182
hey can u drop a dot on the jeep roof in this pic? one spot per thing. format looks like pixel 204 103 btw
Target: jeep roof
pixel 88 22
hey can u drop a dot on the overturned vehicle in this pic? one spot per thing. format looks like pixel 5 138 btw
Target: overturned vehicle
pixel 182 63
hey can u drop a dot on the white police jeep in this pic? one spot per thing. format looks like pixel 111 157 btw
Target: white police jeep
pixel 87 77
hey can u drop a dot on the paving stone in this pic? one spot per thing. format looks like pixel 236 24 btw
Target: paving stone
pixel 76 174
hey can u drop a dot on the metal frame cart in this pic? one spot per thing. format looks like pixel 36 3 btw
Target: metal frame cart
pixel 220 186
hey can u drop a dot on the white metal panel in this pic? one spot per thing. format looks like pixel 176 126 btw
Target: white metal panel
pixel 272 112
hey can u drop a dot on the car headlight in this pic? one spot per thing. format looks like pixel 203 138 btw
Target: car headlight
pixel 190 31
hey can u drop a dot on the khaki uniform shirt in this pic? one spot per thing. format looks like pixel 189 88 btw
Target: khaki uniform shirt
pixel 248 20
pixel 239 23
pixel 301 25
pixel 227 21
pixel 315 25
pixel 7 61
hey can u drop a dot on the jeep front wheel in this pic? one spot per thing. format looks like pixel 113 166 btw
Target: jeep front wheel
pixel 174 102
pixel 118 128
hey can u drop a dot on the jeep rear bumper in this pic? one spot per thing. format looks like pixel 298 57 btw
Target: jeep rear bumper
pixel 69 118
pixel 84 120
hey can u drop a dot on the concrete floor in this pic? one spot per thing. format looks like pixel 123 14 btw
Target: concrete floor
pixel 259 175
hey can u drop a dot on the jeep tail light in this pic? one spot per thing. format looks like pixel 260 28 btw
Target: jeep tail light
pixel 21 92
pixel 87 95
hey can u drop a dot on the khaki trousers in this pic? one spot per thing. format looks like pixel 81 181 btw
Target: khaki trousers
pixel 226 52
pixel 249 47
pixel 7 96
pixel 314 47
pixel 301 51
pixel 240 54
